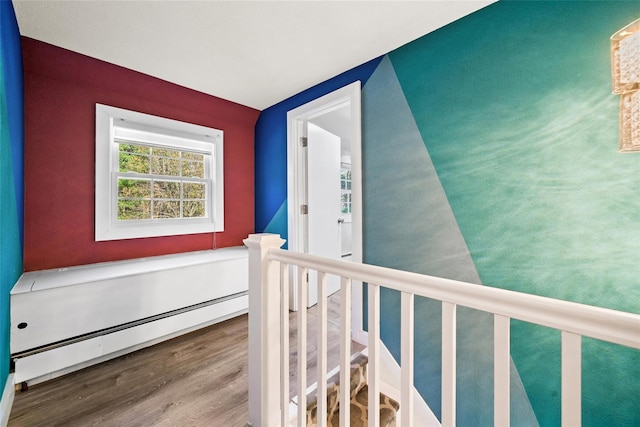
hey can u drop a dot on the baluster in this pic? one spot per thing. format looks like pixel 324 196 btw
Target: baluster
pixel 303 291
pixel 345 349
pixel 322 350
pixel 373 374
pixel 571 379
pixel 501 370
pixel 407 339
pixel 284 341
pixel 448 364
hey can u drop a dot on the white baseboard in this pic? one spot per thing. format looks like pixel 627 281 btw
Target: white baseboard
pixel 7 401
pixel 63 360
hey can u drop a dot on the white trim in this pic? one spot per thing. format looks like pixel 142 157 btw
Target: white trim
pixel 7 401
pixel 296 126
pixel 111 121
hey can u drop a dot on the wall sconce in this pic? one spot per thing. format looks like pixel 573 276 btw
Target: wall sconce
pixel 625 71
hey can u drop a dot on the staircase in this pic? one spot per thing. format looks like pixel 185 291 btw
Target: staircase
pixel 359 396
pixel 269 398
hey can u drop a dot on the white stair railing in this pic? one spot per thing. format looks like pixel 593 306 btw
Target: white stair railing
pixel 268 334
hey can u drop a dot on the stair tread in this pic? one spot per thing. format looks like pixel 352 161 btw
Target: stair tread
pixel 358 377
pixel 359 414
pixel 358 397
pixel 358 411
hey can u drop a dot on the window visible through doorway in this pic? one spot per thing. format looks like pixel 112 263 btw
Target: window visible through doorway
pixel 345 188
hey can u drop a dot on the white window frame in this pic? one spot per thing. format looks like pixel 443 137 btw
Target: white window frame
pixel 112 122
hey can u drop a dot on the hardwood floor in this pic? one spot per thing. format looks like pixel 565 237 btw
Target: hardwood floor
pixel 333 343
pixel 198 379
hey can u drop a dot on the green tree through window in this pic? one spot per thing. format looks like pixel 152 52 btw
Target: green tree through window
pixel 160 183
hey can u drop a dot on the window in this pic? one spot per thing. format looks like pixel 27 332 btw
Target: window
pixel 156 176
pixel 345 189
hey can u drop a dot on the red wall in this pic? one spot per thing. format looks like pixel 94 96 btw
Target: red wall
pixel 61 90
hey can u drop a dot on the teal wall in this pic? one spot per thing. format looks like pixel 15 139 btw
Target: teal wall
pixel 11 171
pixel 490 156
pixel 410 226
pixel 505 172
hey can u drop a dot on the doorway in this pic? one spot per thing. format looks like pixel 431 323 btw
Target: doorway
pixel 311 128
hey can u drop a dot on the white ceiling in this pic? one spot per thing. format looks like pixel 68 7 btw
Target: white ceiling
pixel 255 53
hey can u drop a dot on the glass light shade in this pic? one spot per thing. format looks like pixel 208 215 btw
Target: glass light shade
pixel 630 122
pixel 625 58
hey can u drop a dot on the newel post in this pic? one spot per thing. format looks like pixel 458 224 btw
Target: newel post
pixel 264 331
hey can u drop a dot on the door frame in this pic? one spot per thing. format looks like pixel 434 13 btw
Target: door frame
pixel 297 119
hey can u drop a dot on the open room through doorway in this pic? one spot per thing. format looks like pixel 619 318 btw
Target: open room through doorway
pixel 325 185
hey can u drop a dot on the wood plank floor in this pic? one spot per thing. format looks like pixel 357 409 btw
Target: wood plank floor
pixel 198 379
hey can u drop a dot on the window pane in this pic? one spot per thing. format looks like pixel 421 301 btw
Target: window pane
pixel 133 163
pixel 193 209
pixel 134 148
pixel 345 202
pixel 193 169
pixel 134 188
pixel 134 209
pixel 166 190
pixel 166 209
pixel 166 152
pixel 193 190
pixel 165 166
pixel 192 156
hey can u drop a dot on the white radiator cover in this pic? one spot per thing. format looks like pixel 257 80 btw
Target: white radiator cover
pixel 64 303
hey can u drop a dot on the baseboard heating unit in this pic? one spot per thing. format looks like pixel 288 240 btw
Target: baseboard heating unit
pixel 69 318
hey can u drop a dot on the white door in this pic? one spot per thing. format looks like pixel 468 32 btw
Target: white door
pixel 323 199
pixel 348 96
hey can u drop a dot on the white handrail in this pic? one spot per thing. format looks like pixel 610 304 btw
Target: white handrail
pixel 572 319
pixel 609 325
